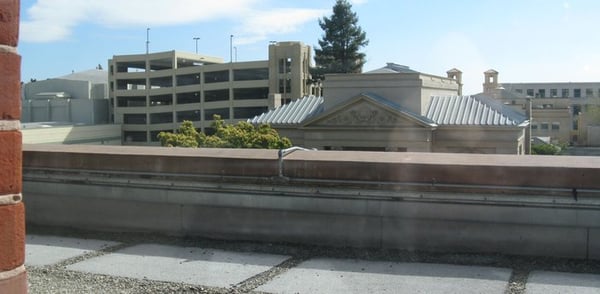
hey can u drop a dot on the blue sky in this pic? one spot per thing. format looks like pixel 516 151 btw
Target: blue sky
pixel 525 40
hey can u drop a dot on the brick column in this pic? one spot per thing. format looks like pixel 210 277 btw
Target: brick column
pixel 13 276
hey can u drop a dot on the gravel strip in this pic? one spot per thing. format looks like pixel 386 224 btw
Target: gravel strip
pixel 57 279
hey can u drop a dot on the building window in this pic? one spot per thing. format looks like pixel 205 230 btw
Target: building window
pixel 131 101
pixel 134 136
pixel 555 126
pixel 285 65
pixel 285 86
pixel 191 115
pixel 577 93
pixel 161 100
pixel 134 119
pixel 209 113
pixel 216 95
pixel 250 93
pixel 520 91
pixel 216 76
pixel 185 80
pixel 542 93
pixel 530 92
pixel 154 135
pixel 589 92
pixel 544 126
pixel 251 74
pixel 553 93
pixel 161 118
pixel 534 126
pixel 565 93
pixel 188 98
pixel 161 82
pixel 249 112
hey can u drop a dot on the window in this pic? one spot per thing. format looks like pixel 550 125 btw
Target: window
pixel 188 98
pixel 555 126
pixel 520 91
pixel 248 112
pixel 134 136
pixel 161 118
pixel 216 95
pixel 191 115
pixel 553 92
pixel 134 119
pixel 542 93
pixel 544 126
pixel 251 74
pixel 250 93
pixel 154 135
pixel 133 101
pixel 534 126
pixel 577 93
pixel 285 65
pixel 161 100
pixel 223 112
pixel 161 82
pixel 565 93
pixel 285 86
pixel 589 92
pixel 185 80
pixel 530 92
pixel 216 76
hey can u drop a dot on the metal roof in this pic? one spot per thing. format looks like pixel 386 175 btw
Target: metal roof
pixel 95 76
pixel 472 111
pixel 291 114
pixel 392 68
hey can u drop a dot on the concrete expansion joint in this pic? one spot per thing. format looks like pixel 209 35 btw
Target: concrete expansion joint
pixel 10 199
pixel 12 273
pixel 10 125
pixel 7 49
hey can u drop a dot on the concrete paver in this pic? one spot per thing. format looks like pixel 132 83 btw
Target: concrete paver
pixel 325 275
pixel 48 250
pixel 207 267
pixel 564 283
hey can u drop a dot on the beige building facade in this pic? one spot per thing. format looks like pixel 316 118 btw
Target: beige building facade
pixel 397 109
pixel 562 112
pixel 155 92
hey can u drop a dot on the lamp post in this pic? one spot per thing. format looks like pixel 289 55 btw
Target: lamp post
pixel 196 39
pixel 147 40
pixel 230 48
pixel 235 52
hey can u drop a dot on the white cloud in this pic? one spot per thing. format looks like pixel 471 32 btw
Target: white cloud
pixel 278 21
pixel 54 20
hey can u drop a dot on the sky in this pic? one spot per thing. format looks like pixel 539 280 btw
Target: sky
pixel 524 40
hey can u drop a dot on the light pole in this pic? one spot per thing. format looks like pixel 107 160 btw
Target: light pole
pixel 235 52
pixel 230 48
pixel 196 39
pixel 147 40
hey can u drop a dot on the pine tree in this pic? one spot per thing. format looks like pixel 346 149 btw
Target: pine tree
pixel 341 42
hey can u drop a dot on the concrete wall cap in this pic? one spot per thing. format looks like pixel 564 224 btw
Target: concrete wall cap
pixel 9 199
pixel 7 49
pixel 10 125
pixel 12 273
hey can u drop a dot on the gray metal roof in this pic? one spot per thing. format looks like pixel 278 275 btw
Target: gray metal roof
pixel 392 68
pixel 291 114
pixel 472 111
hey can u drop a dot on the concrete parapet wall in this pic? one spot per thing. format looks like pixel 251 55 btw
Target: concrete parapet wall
pixel 381 200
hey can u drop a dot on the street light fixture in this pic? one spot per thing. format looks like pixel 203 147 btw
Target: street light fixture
pixel 196 39
pixel 230 48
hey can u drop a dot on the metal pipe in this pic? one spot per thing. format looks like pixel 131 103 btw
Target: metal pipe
pixel 284 152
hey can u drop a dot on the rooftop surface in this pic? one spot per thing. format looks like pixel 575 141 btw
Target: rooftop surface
pixel 87 262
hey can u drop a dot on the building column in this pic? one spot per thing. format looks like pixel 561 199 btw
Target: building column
pixel 13 276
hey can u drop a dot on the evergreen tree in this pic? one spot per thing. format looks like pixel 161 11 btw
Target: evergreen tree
pixel 340 43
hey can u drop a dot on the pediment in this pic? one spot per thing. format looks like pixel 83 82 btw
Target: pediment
pixel 364 113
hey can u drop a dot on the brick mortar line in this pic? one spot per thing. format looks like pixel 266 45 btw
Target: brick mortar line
pixel 10 125
pixel 12 273
pixel 10 199
pixel 8 49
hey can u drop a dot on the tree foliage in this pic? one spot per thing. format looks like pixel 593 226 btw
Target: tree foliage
pixel 340 43
pixel 546 149
pixel 240 135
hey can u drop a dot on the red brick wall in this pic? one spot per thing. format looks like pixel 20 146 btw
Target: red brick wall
pixel 13 276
